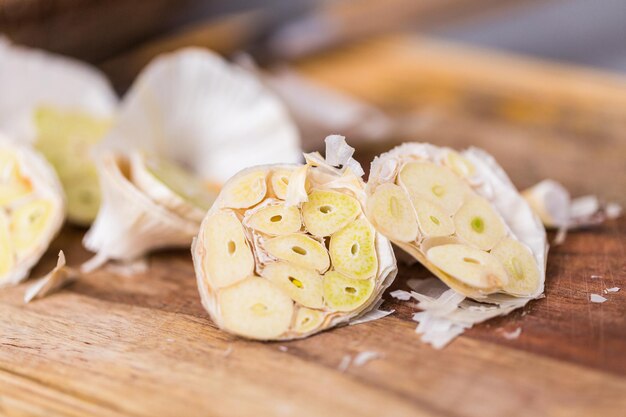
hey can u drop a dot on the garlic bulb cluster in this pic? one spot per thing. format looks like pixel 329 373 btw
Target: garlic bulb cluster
pixel 63 108
pixel 286 251
pixel 189 122
pixel 32 209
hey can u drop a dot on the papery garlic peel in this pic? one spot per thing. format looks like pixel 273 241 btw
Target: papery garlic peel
pixel 460 216
pixel 32 209
pixel 287 251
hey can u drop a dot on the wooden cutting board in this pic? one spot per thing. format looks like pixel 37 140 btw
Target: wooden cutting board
pixel 111 345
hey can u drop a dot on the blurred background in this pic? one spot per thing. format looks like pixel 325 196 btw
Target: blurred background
pixel 519 77
pixel 584 32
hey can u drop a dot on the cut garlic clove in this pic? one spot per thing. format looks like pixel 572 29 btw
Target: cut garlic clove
pixel 307 320
pixel 299 249
pixel 255 308
pixel 7 255
pixel 129 223
pixel 343 293
pixel 29 222
pixel 228 256
pixel 280 182
pixel 469 265
pixel 460 165
pixel 434 183
pixel 328 211
pixel 352 250
pixel 303 285
pixel 432 220
pixel 277 219
pixel 391 211
pixel 171 186
pixel 479 224
pixel 524 276
pixel 32 209
pixel 13 185
pixel 246 191
pixel 66 139
pixel 292 263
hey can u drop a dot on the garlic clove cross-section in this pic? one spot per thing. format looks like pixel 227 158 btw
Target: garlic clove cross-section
pixel 318 262
pixel 32 209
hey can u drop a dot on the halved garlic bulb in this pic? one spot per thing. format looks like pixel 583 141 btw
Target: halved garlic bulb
pixel 31 209
pixel 188 123
pixel 461 217
pixel 63 107
pixel 276 265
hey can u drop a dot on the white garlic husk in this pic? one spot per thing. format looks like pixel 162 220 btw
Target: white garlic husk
pixel 32 209
pixel 129 223
pixel 191 109
pixel 211 117
pixel 269 256
pixel 63 107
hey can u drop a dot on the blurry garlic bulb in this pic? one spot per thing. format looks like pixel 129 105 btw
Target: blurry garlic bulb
pixel 31 209
pixel 63 107
pixel 286 251
pixel 189 122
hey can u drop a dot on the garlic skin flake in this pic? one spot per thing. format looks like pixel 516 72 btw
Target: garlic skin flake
pixel 60 276
pixel 213 118
pixel 271 296
pixel 32 209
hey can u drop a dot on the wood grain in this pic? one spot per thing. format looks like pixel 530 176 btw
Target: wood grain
pixel 143 346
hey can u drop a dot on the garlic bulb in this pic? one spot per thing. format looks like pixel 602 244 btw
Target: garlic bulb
pixel 460 216
pixel 286 251
pixel 31 209
pixel 63 107
pixel 189 122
